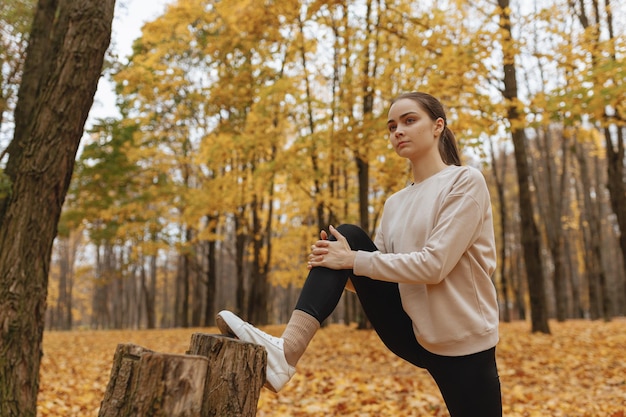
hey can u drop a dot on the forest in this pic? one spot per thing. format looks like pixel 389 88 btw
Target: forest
pixel 247 127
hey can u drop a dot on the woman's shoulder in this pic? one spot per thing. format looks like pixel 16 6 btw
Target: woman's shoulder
pixel 471 182
pixel 458 170
pixel 465 174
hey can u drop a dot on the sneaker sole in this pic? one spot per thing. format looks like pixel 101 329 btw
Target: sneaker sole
pixel 224 327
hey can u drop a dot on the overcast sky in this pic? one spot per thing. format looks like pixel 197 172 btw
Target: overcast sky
pixel 130 15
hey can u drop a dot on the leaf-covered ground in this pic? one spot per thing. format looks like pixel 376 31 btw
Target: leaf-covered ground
pixel 579 370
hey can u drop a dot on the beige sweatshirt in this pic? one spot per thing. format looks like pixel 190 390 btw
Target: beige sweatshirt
pixel 436 240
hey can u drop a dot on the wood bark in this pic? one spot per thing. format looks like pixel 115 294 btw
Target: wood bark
pixel 123 377
pixel 211 275
pixel 241 240
pixel 592 229
pixel 61 72
pixel 236 374
pixel 499 169
pixel 550 181
pixel 529 231
pixel 258 306
pixel 219 376
pixel 146 383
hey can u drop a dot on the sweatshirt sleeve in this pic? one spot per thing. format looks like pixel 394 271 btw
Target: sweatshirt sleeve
pixel 459 221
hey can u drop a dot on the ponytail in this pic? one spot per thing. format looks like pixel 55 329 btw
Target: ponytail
pixel 448 148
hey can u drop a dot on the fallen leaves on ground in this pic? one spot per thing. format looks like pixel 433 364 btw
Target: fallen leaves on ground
pixel 578 371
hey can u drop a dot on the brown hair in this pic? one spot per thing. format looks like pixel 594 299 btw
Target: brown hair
pixel 448 148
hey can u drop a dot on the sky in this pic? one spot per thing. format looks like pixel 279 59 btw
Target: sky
pixel 129 17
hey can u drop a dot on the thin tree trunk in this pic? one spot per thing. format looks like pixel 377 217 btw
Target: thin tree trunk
pixel 591 236
pixel 240 254
pixel 573 275
pixel 151 295
pixel 605 291
pixel 64 278
pixel 499 171
pixel 186 281
pixel 518 285
pixel 211 274
pixel 257 306
pixel 148 301
pixel 197 289
pixel 530 233
pixel 551 189
pixel 75 241
pixel 166 307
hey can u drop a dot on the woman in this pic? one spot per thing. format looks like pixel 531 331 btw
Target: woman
pixel 425 283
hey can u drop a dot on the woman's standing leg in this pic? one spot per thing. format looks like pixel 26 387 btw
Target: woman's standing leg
pixel 470 385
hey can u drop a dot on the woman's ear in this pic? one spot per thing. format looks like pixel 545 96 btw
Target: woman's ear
pixel 440 125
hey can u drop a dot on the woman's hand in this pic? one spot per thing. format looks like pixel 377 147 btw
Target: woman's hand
pixel 331 254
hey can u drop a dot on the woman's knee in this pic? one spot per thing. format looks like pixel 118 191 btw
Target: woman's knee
pixel 356 237
pixel 348 229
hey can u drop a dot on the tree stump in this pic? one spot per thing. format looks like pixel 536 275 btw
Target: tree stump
pixel 235 377
pixel 219 376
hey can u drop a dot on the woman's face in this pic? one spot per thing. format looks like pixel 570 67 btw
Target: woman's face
pixel 413 134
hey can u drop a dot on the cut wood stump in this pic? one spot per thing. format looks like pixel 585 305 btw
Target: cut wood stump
pixel 218 376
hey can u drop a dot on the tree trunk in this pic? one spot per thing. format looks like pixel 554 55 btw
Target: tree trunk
pixel 63 65
pixel 241 239
pixel 211 274
pixel 186 283
pixel 100 315
pixel 63 320
pixel 592 229
pixel 362 151
pixel 219 376
pixel 607 301
pixel 572 266
pixel 530 233
pixel 616 186
pixel 198 294
pixel 258 305
pixel 75 241
pixel 151 294
pixel 551 201
pixel 499 172
pixel 167 319
pixel 119 304
pixel 518 285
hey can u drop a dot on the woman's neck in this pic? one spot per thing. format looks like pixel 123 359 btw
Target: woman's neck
pixel 426 168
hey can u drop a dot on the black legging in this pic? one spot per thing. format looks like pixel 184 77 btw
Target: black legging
pixel 469 384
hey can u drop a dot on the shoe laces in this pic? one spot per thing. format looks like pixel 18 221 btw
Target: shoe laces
pixel 272 339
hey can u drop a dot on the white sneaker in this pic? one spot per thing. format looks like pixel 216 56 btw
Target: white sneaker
pixel 278 370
